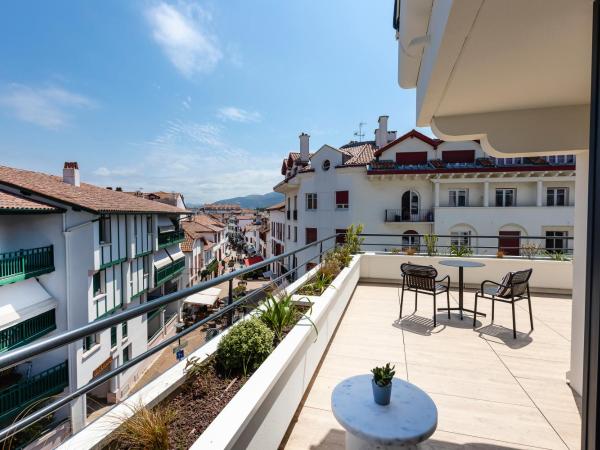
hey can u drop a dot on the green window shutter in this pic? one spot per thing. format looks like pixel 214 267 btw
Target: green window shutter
pixel 124 329
pixel 113 336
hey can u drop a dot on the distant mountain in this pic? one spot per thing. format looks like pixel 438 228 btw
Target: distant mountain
pixel 255 201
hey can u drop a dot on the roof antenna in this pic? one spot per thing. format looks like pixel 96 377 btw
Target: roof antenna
pixel 359 134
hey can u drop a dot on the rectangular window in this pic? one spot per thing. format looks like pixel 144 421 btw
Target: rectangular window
pixel 124 330
pixel 104 225
pixel 295 202
pixel 411 158
pixel 311 235
pixel 295 234
pixel 289 232
pixel 89 342
pixel 149 224
pixel 99 283
pixel 458 156
pixel 311 201
pixel 555 241
pixel 340 237
pixel 505 197
pixel 556 196
pixel 342 199
pixel 113 337
pixel 457 197
pixel 127 354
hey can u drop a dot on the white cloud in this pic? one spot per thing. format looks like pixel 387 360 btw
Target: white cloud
pixel 195 159
pixel 182 33
pixel 187 102
pixel 238 114
pixel 47 107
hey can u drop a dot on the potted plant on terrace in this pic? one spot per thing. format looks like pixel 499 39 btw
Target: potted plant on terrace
pixel 382 383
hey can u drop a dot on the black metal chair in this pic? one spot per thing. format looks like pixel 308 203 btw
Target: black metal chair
pixel 422 280
pixel 514 287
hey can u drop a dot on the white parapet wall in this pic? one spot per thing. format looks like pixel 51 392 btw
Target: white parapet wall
pixel 548 276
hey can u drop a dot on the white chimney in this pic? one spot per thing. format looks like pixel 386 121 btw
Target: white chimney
pixel 304 147
pixel 381 134
pixel 71 173
pixel 391 136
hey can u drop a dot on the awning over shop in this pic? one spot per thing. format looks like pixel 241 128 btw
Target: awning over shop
pixel 206 297
pixel 23 300
pixel 161 259
pixel 253 260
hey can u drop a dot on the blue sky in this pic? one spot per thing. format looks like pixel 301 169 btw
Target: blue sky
pixel 201 97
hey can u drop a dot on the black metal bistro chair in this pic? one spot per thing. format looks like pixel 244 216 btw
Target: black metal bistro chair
pixel 422 280
pixel 514 287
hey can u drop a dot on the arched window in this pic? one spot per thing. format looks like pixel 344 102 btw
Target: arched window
pixel 410 239
pixel 410 205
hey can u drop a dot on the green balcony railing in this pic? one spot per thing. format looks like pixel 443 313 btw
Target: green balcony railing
pixel 27 331
pixel 170 238
pixel 46 384
pixel 166 273
pixel 23 264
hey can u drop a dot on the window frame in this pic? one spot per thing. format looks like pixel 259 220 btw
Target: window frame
pixel 504 192
pixel 554 195
pixel 311 199
pixel 306 235
pixel 555 236
pixel 103 221
pixel 456 192
pixel 341 205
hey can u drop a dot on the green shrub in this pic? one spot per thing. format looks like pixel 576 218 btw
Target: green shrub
pixel 280 313
pixel 431 244
pixel 245 347
pixel 353 239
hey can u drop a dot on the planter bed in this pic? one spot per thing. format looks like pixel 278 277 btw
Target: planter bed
pixel 253 413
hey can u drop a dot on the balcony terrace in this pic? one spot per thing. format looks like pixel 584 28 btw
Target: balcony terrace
pixel 170 238
pixel 23 264
pixel 168 272
pixel 491 391
pixel 404 215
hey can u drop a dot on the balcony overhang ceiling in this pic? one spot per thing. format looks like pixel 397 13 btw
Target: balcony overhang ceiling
pixel 514 74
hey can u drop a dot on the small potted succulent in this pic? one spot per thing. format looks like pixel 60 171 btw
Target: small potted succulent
pixel 382 383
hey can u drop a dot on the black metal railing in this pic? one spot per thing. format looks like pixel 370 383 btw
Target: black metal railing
pixel 313 253
pixel 406 215
pixel 464 244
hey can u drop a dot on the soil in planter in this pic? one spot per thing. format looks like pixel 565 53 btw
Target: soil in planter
pixel 198 403
pixel 200 400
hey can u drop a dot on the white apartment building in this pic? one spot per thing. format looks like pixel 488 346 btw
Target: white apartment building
pixel 275 237
pixel 414 185
pixel 71 253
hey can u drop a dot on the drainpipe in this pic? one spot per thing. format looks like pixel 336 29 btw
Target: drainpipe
pixel 78 406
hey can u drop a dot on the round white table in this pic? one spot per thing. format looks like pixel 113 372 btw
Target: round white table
pixel 410 418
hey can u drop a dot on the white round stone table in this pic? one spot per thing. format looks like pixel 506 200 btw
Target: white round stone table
pixel 410 418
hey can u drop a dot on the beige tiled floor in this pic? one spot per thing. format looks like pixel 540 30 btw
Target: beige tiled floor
pixel 492 392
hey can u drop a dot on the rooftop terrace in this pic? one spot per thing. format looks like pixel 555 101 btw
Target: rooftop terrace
pixel 491 391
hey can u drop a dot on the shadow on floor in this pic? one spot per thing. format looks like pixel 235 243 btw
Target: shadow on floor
pixel 505 336
pixel 423 326
pixel 335 440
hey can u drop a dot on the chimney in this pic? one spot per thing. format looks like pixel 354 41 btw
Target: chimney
pixel 71 173
pixel 391 136
pixel 119 189
pixel 304 147
pixel 381 133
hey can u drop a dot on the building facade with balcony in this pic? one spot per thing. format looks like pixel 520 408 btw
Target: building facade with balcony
pixel 276 237
pixel 72 253
pixel 415 185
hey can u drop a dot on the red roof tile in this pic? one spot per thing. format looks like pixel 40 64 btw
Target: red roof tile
pixel 86 196
pixel 10 202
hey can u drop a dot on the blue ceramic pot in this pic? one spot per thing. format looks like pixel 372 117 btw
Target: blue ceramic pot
pixel 381 395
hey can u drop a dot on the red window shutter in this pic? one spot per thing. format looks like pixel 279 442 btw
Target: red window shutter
pixel 458 156
pixel 411 158
pixel 340 238
pixel 341 197
pixel 311 235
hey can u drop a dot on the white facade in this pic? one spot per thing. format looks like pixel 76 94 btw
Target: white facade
pixel 390 197
pixel 276 236
pixel 102 263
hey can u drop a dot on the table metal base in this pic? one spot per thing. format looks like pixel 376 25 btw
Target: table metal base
pixel 461 311
pixel 355 443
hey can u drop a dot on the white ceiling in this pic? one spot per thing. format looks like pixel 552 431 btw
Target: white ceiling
pixel 522 54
